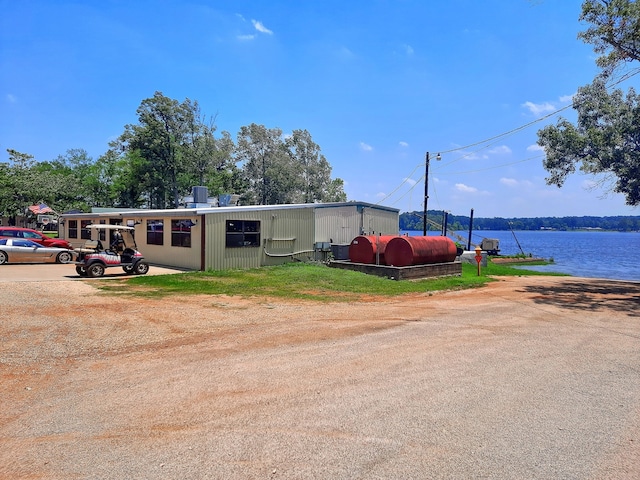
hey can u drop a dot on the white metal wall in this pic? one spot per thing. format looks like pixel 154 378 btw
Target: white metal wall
pixel 340 225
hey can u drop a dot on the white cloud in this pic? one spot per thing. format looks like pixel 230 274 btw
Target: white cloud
pixel 12 98
pixel 539 109
pixel 535 148
pixel 461 187
pixel 502 149
pixel 408 49
pixel 403 144
pixel 567 98
pixel 245 37
pixel 261 28
pixel 345 54
pixel 474 156
pixel 509 182
pixel 513 183
pixel 380 195
pixel 365 147
pixel 410 181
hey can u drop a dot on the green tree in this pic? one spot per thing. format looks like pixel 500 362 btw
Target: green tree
pixel 614 31
pixel 292 170
pixel 265 165
pixel 76 184
pixel 210 160
pixel 16 177
pixel 606 140
pixel 606 137
pixel 172 148
pixel 26 182
pixel 159 138
pixel 313 182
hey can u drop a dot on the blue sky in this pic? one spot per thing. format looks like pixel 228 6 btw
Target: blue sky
pixel 377 84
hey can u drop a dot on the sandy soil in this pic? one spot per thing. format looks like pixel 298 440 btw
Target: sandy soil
pixel 529 377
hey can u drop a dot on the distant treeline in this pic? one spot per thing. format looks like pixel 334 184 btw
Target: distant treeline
pixel 413 221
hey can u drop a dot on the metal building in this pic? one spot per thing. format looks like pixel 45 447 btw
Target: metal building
pixel 217 238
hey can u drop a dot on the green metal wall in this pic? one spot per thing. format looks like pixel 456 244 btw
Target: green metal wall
pixel 284 234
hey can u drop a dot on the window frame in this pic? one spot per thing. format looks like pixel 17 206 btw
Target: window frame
pixel 242 233
pixel 181 232
pixel 155 237
pixel 73 228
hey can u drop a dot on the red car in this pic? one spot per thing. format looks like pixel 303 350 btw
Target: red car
pixel 29 234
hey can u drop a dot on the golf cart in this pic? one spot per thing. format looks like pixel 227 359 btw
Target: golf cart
pixel 93 258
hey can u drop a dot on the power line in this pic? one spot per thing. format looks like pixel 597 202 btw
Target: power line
pixel 492 140
pixel 495 166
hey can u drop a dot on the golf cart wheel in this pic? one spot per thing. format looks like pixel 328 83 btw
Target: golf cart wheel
pixel 3 258
pixel 64 257
pixel 141 268
pixel 128 269
pixel 95 270
pixel 80 270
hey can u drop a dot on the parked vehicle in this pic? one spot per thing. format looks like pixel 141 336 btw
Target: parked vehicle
pixel 34 235
pixel 94 259
pixel 21 250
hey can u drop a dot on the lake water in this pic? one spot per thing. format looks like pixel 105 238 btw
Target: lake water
pixel 597 254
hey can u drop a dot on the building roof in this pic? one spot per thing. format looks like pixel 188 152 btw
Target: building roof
pixel 175 212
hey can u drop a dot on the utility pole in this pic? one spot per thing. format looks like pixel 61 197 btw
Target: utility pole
pixel 426 196
pixel 426 193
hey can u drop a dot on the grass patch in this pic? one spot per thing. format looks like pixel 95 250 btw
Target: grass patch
pixel 302 281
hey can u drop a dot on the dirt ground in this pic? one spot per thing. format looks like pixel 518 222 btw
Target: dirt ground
pixel 528 377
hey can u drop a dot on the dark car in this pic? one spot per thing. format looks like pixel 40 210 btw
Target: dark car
pixel 29 234
pixel 20 250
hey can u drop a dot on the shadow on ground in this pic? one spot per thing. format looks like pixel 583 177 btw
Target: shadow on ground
pixel 590 295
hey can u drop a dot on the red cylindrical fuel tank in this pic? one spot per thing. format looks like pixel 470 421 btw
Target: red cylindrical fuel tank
pixel 405 251
pixel 364 248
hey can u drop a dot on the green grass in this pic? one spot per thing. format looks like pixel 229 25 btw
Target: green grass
pixel 301 281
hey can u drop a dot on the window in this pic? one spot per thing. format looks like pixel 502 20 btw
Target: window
pixel 155 232
pixel 181 233
pixel 85 232
pixel 31 235
pixel 243 233
pixel 73 229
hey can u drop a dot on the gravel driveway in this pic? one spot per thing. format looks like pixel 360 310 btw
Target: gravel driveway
pixel 529 377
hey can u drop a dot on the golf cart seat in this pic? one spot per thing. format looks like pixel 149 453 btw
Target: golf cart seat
pixel 91 246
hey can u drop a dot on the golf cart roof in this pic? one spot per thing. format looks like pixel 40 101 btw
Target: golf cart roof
pixel 102 226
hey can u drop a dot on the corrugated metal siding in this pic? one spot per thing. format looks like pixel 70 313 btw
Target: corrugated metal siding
pixel 381 222
pixel 337 225
pixel 282 233
pixel 285 232
pixel 340 225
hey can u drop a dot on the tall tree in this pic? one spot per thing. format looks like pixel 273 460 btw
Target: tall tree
pixel 292 170
pixel 15 189
pixel 159 138
pixel 606 141
pixel 314 182
pixel 606 138
pixel 26 182
pixel 173 147
pixel 264 163
pixel 210 160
